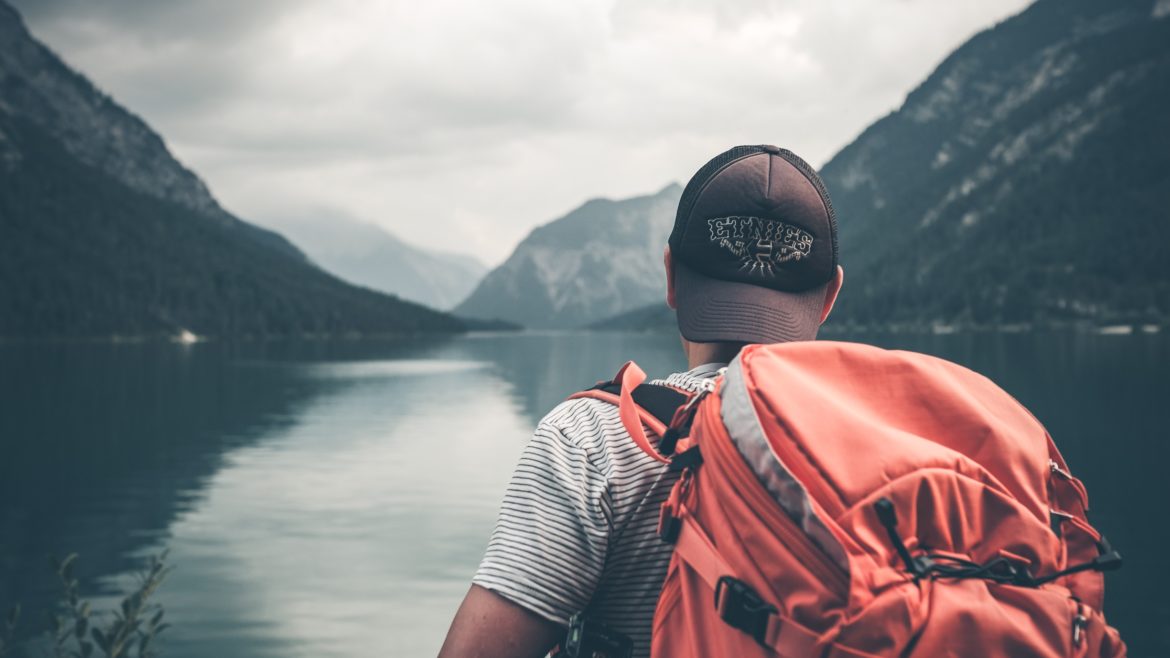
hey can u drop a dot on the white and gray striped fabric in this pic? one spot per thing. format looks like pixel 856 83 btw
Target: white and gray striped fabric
pixel 577 530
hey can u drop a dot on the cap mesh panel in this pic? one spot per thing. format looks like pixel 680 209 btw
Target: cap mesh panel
pixel 804 168
pixel 705 173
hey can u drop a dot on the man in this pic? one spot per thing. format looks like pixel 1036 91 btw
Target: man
pixel 752 259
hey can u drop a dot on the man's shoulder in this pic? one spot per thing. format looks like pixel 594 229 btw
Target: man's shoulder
pixel 567 414
pixel 582 419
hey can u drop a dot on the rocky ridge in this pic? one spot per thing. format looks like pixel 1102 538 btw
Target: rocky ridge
pixel 1022 183
pixel 603 258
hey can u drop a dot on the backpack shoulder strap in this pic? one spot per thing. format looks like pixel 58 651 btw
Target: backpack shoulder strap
pixel 658 400
pixel 639 403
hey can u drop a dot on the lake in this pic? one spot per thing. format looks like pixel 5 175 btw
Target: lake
pixel 333 499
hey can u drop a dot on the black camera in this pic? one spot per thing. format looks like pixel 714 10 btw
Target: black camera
pixel 589 638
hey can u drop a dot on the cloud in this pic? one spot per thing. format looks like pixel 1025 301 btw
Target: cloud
pixel 461 125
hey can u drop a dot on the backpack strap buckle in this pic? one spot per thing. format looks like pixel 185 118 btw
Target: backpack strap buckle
pixel 669 525
pixel 689 458
pixel 740 607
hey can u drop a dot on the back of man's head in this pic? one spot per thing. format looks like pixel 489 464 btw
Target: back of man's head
pixel 754 249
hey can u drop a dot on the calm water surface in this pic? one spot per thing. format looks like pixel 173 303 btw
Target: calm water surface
pixel 333 499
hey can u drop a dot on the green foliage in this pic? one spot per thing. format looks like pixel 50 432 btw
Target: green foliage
pixel 131 629
pixel 76 631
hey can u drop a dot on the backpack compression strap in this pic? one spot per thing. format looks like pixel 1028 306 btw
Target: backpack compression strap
pixel 639 404
pixel 738 605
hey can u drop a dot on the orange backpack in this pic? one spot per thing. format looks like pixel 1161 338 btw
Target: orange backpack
pixel 842 500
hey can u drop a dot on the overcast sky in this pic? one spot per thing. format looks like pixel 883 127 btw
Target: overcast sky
pixel 462 124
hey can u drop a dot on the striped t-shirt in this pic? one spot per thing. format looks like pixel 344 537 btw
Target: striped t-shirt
pixel 577 530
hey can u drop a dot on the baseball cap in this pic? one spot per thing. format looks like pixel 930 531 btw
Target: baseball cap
pixel 754 246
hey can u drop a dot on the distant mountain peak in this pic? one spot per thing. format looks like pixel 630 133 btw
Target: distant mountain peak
pixel 370 255
pixel 602 258
pixel 90 125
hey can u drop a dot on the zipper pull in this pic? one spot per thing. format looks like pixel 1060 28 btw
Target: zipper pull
pixel 1079 623
pixel 1056 469
pixel 687 411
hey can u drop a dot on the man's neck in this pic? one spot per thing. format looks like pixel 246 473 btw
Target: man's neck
pixel 702 353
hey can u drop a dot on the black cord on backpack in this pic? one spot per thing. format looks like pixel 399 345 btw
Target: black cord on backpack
pixel 1000 570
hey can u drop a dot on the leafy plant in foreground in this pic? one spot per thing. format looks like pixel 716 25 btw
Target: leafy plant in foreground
pixel 75 633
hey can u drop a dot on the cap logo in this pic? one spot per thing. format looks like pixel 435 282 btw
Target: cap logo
pixel 760 244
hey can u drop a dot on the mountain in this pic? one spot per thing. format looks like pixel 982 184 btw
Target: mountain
pixel 655 317
pixel 103 233
pixel 603 258
pixel 1024 182
pixel 368 255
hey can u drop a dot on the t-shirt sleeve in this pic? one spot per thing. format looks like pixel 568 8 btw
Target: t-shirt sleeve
pixel 549 545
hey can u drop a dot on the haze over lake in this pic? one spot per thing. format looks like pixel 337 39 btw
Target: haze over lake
pixel 333 499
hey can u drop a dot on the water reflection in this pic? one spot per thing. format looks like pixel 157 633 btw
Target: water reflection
pixel 544 368
pixel 332 499
pixel 103 446
pixel 352 529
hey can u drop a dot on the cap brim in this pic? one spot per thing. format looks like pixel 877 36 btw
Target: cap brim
pixel 714 311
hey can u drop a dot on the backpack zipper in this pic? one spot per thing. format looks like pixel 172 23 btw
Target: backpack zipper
pixel 1080 621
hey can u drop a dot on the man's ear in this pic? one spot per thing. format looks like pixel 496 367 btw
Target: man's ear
pixel 669 264
pixel 831 291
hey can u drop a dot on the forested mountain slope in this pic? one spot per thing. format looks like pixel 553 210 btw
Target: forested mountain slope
pixel 1027 180
pixel 103 233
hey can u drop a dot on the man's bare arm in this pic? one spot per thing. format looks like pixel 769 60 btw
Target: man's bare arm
pixel 490 626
